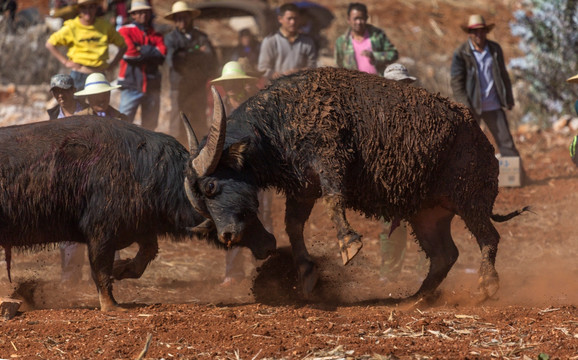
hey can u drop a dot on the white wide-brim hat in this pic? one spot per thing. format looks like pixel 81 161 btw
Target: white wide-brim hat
pixel 139 5
pixel 232 71
pixel 180 7
pixel 96 83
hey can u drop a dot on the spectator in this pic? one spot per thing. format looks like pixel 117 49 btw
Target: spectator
pixel 393 245
pixel 71 253
pixel 238 87
pixel 97 91
pixel 139 73
pixel 62 89
pixel 87 38
pixel 8 10
pixel 287 50
pixel 479 80
pixel 248 48
pixel 363 47
pixel 192 62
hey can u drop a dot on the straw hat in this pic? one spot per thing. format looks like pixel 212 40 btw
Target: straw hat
pixel 180 7
pixel 86 2
pixel 139 5
pixel 232 71
pixel 573 79
pixel 96 83
pixel 477 22
pixel 397 72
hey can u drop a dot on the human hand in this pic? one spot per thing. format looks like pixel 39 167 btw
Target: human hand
pixel 69 64
pixel 368 54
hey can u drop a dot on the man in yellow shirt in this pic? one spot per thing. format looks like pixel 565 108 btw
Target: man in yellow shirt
pixel 87 38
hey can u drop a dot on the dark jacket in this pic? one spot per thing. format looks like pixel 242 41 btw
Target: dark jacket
pixel 110 112
pixel 54 111
pixel 139 67
pixel 187 62
pixel 465 81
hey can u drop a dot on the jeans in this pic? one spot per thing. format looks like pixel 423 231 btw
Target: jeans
pixel 498 126
pixel 150 103
pixel 79 79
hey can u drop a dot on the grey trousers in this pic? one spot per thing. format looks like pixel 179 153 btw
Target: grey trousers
pixel 498 125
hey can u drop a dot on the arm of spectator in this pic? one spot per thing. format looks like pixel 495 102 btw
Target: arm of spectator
pixel 384 53
pixel 61 58
pixel 312 56
pixel 116 39
pixel 506 79
pixel 338 52
pixel 458 79
pixel 267 58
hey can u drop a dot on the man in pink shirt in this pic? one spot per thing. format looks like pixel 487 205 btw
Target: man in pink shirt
pixel 363 47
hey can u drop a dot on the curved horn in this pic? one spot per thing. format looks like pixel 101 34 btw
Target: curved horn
pixel 208 158
pixel 193 142
pixel 203 228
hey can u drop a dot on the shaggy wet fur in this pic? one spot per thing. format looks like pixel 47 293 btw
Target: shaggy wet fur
pixel 364 143
pixel 384 144
pixel 98 181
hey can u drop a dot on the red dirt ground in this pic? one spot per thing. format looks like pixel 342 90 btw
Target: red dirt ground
pixel 178 302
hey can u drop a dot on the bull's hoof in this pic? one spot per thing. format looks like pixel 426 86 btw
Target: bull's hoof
pixel 122 269
pixel 308 276
pixel 350 248
pixel 107 304
pixel 488 286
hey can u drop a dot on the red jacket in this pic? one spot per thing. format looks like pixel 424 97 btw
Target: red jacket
pixel 139 67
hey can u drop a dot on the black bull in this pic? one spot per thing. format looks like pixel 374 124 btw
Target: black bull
pixel 97 181
pixel 358 141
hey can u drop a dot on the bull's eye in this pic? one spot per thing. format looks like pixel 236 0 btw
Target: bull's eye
pixel 210 188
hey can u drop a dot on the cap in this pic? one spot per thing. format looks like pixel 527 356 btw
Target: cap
pixel 61 81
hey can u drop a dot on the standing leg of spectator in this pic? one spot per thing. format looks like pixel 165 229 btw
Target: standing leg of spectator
pixel 193 100
pixel 71 261
pixel 234 263
pixel 129 102
pixel 79 79
pixel 392 251
pixel 265 199
pixel 150 108
pixel 498 125
pixel 176 127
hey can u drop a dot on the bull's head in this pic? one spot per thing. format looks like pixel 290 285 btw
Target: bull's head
pixel 220 190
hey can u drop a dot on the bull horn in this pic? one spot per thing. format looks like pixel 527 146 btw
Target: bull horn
pixel 209 157
pixel 193 142
pixel 203 227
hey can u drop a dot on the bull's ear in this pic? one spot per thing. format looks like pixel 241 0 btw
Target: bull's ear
pixel 235 154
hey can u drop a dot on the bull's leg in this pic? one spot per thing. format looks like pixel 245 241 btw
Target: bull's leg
pixel 101 259
pixel 297 212
pixel 488 238
pixel 134 268
pixel 349 241
pixel 432 228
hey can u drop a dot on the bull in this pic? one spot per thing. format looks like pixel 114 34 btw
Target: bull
pixel 98 181
pixel 359 142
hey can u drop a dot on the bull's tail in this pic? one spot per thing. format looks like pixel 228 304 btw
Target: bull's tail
pixel 502 218
pixel 8 258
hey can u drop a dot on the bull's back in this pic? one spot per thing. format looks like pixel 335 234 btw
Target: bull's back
pixel 390 141
pixel 67 178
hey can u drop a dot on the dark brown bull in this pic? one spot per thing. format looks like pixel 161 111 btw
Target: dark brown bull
pixel 359 142
pixel 97 181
